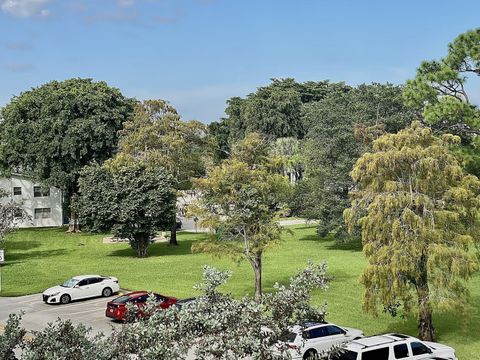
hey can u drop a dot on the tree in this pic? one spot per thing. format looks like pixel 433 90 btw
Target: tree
pixel 133 202
pixel 156 137
pixel 440 91
pixel 287 150
pixel 11 214
pixel 275 111
pixel 419 216
pixel 332 145
pixel 239 199
pixel 53 131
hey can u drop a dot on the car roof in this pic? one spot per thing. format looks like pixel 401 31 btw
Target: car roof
pixel 309 324
pixel 82 277
pixel 376 340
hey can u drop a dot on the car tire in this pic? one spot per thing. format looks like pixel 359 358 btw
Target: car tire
pixel 65 299
pixel 310 354
pixel 107 292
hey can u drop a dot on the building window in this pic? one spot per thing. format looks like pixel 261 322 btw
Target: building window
pixel 17 190
pixel 42 213
pixel 38 191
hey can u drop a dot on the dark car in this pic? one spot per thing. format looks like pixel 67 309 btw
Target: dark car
pixel 184 302
pixel 117 308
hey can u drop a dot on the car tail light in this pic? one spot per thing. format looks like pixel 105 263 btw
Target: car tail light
pixel 292 346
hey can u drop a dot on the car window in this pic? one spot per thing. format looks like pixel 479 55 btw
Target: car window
pixel 96 280
pixel 316 333
pixel 290 337
pixel 141 299
pixel 418 348
pixel 400 351
pixel 345 355
pixel 377 354
pixel 122 299
pixel 82 282
pixel 334 330
pixel 160 298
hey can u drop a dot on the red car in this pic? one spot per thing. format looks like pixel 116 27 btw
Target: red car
pixel 117 309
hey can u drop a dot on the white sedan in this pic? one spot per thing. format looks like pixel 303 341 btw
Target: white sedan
pixel 81 287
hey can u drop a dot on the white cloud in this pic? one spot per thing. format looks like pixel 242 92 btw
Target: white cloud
pixel 25 8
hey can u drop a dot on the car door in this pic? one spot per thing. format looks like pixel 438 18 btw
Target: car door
pixel 81 290
pixel 317 339
pixel 335 335
pixel 96 286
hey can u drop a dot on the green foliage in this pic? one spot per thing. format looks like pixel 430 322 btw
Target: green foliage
pixel 340 128
pixel 239 199
pixel 274 111
pixel 12 337
pixel 419 217
pixel 51 132
pixel 439 91
pixel 62 340
pixel 133 203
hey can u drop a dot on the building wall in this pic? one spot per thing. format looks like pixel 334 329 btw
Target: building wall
pixel 35 206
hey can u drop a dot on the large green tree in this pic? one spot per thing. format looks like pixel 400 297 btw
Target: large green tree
pixel 239 200
pixel 51 132
pixel 440 90
pixel 274 111
pixel 157 137
pixel 133 202
pixel 332 145
pixel 419 218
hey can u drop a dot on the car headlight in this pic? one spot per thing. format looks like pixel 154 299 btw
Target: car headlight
pixel 54 294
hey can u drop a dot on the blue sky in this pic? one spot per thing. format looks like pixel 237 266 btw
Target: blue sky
pixel 199 53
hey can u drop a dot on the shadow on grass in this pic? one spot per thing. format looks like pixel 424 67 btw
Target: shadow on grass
pixel 159 249
pixel 22 245
pixel 19 257
pixel 333 244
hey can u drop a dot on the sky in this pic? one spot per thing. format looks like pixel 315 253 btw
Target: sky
pixel 199 53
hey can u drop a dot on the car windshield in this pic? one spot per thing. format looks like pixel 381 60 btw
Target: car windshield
pixel 70 283
pixel 290 337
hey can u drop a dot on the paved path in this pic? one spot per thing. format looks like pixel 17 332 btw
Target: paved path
pixel 37 314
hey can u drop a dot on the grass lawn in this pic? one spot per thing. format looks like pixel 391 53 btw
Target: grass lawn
pixel 37 259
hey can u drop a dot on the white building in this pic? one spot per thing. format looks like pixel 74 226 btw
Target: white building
pixel 43 205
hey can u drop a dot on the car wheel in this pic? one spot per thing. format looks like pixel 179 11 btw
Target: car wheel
pixel 107 292
pixel 65 299
pixel 310 354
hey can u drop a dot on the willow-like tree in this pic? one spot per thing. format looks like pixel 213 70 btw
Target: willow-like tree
pixel 239 201
pixel 157 137
pixel 418 212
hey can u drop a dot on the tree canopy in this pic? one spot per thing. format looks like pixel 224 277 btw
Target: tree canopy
pixel 440 90
pixel 419 217
pixel 133 202
pixel 157 137
pixel 333 144
pixel 51 132
pixel 239 200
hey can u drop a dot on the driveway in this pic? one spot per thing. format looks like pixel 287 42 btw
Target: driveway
pixel 37 314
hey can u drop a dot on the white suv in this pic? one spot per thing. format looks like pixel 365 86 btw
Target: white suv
pixel 311 338
pixel 395 346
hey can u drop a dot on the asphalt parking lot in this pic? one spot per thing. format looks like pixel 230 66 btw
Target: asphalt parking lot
pixel 90 312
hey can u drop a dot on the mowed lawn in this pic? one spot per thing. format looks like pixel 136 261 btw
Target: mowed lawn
pixel 40 258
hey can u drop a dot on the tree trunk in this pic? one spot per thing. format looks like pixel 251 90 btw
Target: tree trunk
pixel 173 233
pixel 425 324
pixel 256 263
pixel 141 245
pixel 73 225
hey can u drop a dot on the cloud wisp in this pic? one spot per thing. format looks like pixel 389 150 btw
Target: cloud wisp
pixel 25 8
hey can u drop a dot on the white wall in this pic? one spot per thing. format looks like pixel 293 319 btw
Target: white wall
pixel 30 203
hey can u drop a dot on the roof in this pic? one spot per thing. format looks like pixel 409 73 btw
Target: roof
pixel 377 340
